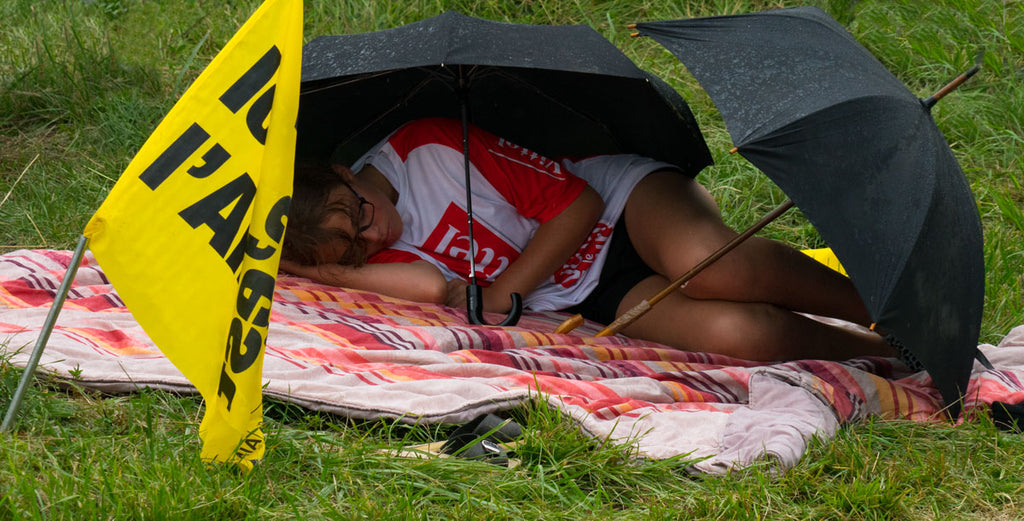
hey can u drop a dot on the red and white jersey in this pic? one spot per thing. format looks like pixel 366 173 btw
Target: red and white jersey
pixel 514 191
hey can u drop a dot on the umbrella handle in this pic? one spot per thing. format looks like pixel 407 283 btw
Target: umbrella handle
pixel 930 101
pixel 475 307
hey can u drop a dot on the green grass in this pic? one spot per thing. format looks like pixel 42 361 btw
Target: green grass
pixel 83 456
pixel 82 83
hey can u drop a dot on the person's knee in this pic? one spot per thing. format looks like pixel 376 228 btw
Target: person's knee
pixel 746 332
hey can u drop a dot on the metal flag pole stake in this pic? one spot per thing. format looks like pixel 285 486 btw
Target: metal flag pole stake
pixel 44 335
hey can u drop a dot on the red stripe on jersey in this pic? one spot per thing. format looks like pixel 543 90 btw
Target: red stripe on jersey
pixel 537 186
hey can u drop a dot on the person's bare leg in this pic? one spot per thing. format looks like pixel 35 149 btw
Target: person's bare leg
pixel 674 224
pixel 751 331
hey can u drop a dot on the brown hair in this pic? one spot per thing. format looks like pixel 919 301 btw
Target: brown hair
pixel 313 184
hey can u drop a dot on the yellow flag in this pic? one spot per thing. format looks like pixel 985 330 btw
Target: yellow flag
pixel 190 235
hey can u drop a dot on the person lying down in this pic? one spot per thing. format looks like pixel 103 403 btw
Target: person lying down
pixel 593 236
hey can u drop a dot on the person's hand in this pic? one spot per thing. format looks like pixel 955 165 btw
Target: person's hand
pixel 490 301
pixel 552 245
pixel 456 293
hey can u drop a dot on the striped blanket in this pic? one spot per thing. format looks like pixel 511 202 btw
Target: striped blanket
pixel 366 356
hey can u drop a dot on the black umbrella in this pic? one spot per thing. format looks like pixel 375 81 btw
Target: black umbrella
pixel 558 90
pixel 860 155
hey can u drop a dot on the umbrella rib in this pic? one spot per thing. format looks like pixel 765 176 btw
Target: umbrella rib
pixel 364 77
pixel 354 79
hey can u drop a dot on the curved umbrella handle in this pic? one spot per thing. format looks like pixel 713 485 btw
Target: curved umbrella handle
pixel 475 307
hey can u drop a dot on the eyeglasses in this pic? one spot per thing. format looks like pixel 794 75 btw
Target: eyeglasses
pixel 363 218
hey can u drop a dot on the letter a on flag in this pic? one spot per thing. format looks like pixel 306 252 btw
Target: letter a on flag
pixel 190 235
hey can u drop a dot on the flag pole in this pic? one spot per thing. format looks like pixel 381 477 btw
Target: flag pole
pixel 44 335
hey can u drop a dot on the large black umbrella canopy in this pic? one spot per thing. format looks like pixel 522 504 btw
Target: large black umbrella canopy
pixel 562 91
pixel 860 155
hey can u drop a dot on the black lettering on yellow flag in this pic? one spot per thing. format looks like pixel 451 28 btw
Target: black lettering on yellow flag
pixel 237 197
pixel 251 245
pixel 191 233
pixel 248 86
pixel 174 156
pixel 245 342
pixel 252 81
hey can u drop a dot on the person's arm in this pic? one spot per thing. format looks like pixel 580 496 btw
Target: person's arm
pixel 419 281
pixel 555 241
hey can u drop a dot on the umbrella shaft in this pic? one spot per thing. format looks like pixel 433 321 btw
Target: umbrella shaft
pixel 464 109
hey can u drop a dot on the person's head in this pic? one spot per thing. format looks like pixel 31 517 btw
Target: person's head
pixel 330 220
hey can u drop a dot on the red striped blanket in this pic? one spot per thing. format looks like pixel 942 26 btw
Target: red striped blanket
pixel 366 356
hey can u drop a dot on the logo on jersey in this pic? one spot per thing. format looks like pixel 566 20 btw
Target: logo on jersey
pixel 528 158
pixel 449 244
pixel 572 271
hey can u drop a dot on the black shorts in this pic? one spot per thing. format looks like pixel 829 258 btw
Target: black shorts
pixel 623 269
